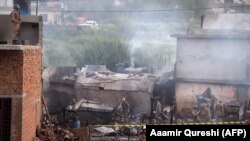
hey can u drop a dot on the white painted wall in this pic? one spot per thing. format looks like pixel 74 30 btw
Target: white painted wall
pixel 213 59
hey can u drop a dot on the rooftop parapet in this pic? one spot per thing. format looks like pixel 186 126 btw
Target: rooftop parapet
pixel 30 31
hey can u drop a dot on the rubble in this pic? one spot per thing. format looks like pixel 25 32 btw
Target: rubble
pixel 50 132
pixel 119 132
pixel 88 105
pixel 105 130
pixel 56 133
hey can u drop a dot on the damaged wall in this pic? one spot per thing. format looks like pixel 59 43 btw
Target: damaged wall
pixel 186 94
pixel 58 96
pixel 57 90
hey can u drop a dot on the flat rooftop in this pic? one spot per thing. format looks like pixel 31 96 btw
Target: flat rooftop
pixel 218 34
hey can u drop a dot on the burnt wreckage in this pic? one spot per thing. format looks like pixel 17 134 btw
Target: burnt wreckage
pixel 94 91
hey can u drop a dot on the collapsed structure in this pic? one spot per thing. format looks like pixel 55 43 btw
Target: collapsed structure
pixel 214 63
pixel 98 90
pixel 20 80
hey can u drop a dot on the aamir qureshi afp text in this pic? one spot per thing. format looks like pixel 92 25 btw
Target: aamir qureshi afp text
pixel 186 132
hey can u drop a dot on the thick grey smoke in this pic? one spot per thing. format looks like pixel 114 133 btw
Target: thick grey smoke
pixel 147 32
pixel 46 75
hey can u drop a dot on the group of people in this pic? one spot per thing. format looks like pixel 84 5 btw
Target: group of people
pixel 203 113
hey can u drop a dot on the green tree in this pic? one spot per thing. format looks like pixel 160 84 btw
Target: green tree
pixel 99 48
pixel 54 55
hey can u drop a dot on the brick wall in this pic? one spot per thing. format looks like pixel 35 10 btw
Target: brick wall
pixel 20 79
pixel 11 72
pixel 32 89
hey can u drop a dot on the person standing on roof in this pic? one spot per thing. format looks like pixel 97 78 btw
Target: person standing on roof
pixel 16 21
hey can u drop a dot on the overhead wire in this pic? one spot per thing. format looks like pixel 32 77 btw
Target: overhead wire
pixel 146 10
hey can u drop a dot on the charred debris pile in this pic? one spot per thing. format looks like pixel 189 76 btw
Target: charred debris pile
pixel 95 91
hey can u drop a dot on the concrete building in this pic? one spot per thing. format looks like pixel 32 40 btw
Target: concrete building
pixel 214 59
pixel 20 82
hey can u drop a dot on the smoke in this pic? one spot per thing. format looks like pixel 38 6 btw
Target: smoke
pixel 147 32
pixel 150 33
pixel 151 44
pixel 227 22
pixel 46 75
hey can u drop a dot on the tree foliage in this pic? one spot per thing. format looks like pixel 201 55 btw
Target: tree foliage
pixel 112 43
pixel 99 48
pixel 83 47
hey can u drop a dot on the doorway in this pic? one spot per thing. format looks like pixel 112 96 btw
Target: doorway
pixel 5 119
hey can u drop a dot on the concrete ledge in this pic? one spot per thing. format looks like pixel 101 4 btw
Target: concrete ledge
pixel 213 36
pixel 210 81
pixel 16 96
pixel 18 47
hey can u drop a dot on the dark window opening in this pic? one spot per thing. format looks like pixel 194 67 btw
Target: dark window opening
pixel 35 25
pixel 5 119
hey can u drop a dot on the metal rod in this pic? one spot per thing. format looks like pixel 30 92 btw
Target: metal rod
pixel 36 7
